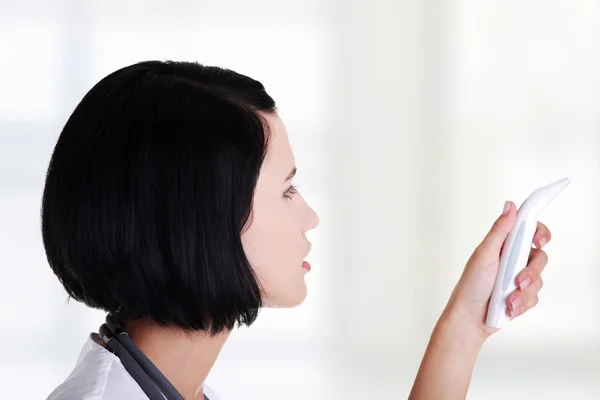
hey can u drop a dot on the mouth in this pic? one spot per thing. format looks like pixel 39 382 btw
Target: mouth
pixel 306 265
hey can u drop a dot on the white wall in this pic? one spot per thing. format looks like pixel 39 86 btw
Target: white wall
pixel 412 122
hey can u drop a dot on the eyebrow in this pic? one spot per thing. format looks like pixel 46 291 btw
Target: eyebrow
pixel 291 174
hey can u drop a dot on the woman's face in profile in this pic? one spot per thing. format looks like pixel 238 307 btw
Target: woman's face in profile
pixel 275 242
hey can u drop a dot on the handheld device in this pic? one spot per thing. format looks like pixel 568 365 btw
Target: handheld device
pixel 515 253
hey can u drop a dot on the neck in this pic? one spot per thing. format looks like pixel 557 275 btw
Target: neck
pixel 185 359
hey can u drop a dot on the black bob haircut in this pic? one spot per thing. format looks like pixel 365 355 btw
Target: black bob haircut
pixel 148 191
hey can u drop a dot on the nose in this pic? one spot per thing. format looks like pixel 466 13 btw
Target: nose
pixel 311 220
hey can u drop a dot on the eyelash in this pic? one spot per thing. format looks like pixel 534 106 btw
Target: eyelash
pixel 292 190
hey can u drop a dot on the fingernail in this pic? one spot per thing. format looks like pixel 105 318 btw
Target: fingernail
pixel 515 303
pixel 524 283
pixel 506 208
pixel 514 313
pixel 543 242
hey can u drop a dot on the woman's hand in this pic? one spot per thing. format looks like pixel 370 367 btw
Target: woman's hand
pixel 468 303
pixel 447 365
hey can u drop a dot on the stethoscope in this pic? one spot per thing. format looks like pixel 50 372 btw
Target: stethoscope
pixel 142 370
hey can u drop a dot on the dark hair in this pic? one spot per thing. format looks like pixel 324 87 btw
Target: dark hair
pixel 148 191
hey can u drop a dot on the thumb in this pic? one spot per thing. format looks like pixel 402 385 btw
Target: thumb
pixel 490 247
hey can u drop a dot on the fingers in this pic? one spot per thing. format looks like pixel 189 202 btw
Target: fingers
pixel 529 283
pixel 520 301
pixel 538 259
pixel 542 235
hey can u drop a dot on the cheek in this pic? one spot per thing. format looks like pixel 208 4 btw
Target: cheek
pixel 274 246
pixel 272 237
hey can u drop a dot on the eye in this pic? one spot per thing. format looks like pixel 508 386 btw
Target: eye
pixel 291 191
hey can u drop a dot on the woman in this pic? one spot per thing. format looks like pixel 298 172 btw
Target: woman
pixel 168 203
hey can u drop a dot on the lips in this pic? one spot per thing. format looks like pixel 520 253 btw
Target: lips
pixel 306 265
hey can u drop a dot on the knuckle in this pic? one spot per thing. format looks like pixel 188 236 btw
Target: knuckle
pixel 498 225
pixel 533 254
pixel 543 228
pixel 548 233
pixel 541 257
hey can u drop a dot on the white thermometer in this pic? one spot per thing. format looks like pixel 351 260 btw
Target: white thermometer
pixel 517 247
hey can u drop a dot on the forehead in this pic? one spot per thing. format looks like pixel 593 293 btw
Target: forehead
pixel 280 157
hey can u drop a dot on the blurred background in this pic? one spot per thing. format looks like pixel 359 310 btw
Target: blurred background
pixel 412 122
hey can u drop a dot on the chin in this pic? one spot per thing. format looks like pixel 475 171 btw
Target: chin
pixel 290 299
